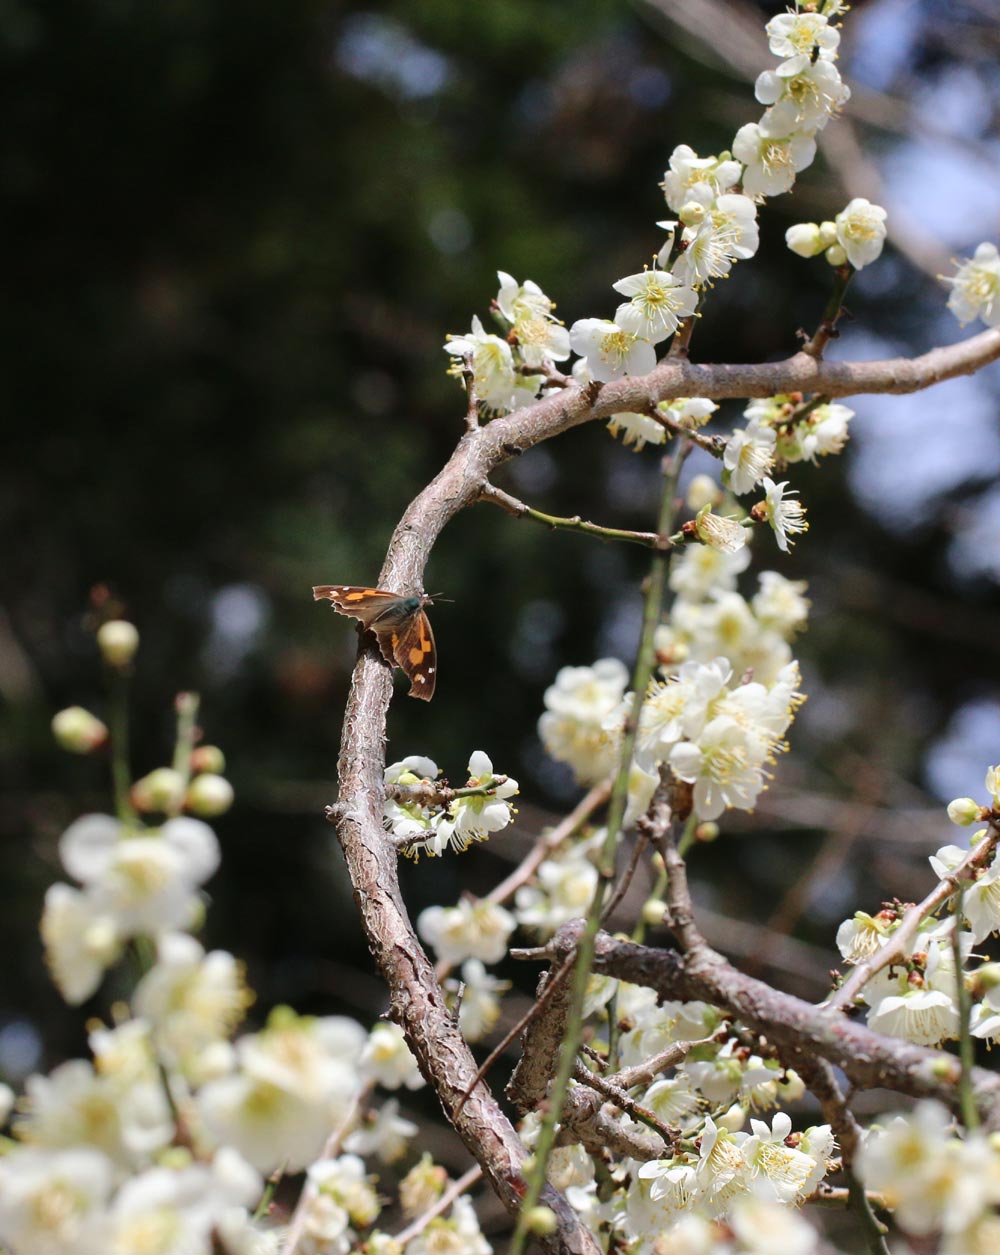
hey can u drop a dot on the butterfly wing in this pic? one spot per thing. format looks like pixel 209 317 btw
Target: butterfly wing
pixel 365 604
pixel 403 632
pixel 412 648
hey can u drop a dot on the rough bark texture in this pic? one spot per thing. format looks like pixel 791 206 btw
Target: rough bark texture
pixel 416 1001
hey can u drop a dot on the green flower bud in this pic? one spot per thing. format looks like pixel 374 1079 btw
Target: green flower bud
pixel 161 790
pixel 653 910
pixel 78 731
pixel 541 1221
pixel 963 811
pixel 209 795
pixel 118 640
pixel 836 255
pixel 208 758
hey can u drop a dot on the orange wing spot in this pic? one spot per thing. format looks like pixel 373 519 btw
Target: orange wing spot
pixel 425 645
pixel 395 640
pixel 417 656
pixel 355 596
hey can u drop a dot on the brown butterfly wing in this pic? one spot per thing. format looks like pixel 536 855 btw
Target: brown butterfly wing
pixel 365 604
pixel 412 647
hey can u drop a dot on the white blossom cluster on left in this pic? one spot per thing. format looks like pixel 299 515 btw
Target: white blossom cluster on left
pixel 160 1142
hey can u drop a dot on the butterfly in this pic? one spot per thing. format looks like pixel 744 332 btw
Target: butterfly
pixel 401 628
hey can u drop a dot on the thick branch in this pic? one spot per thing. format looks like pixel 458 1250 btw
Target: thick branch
pixel 867 1058
pixel 416 1000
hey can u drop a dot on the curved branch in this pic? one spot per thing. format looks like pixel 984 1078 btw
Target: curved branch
pixel 416 1000
pixel 868 1059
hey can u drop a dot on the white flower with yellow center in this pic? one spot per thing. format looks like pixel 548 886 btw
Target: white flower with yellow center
pixel 577 707
pixel 49 1203
pixel 637 429
pixel 975 287
pixel 610 350
pixel 779 509
pixel 801 36
pixel 81 941
pixel 694 178
pixel 472 928
pixel 749 456
pixel 386 1059
pixel 728 233
pixel 719 531
pixel 772 157
pixel 385 1134
pixel 657 303
pixel 861 231
pixel 492 365
pixel 770 1160
pixel 192 999
pixel 801 101
pixel 564 890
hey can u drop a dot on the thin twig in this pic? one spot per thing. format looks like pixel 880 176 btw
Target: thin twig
pixel 606 1087
pixel 966 1051
pixel 649 540
pixel 465 1182
pixel 898 945
pixel 827 329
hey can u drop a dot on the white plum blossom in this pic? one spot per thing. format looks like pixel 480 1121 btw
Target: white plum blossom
pixel 459 1234
pixel 688 412
pixel 981 899
pixel 780 603
pixel 577 708
pixel 472 928
pixel 492 363
pixel 82 940
pixel 728 233
pixel 610 350
pixel 767 1228
pixel 931 1178
pixel 473 818
pixel 862 936
pixel 785 1169
pixel 694 178
pixel 975 287
pixel 49 1202
pixel 749 456
pixel 145 880
pixel 191 1000
pixel 718 531
pixel 480 1006
pixel 564 890
pixel 657 303
pixel 797 36
pixel 539 336
pixel 920 1008
pixel 637 429
pixel 385 1134
pixel 861 231
pixel 779 509
pixel 772 156
pixel 386 1059
pixel 801 101
pixel 699 570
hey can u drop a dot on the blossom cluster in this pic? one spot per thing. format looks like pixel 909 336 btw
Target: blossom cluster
pixel 916 996
pixel 426 816
pixel 935 1180
pixel 717 712
pixel 161 1141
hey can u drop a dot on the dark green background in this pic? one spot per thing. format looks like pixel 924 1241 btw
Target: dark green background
pixel 236 236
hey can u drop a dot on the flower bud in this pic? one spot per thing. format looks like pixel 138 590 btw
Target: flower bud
pixel 208 758
pixel 805 240
pixel 118 640
pixel 161 790
pixel 78 731
pixel 944 1068
pixel 708 831
pixel 653 910
pixel 733 1119
pixel 692 213
pixel 987 977
pixel 963 811
pixel 209 795
pixel 836 255
pixel 827 233
pixel 541 1221
pixel 703 491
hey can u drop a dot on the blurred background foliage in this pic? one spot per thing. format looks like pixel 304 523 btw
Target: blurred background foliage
pixel 237 235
